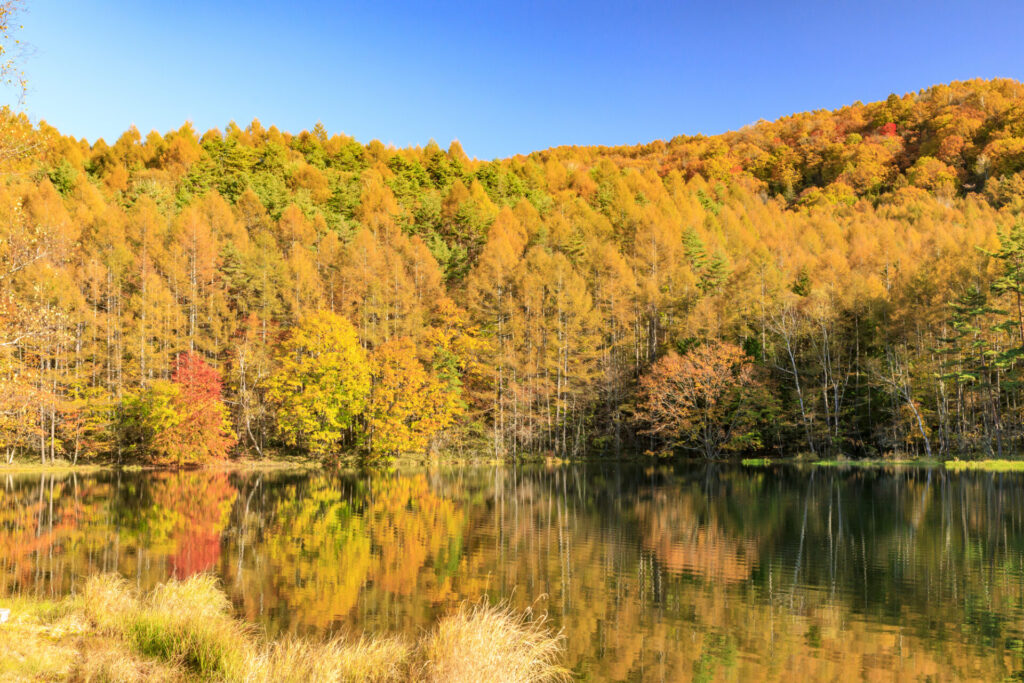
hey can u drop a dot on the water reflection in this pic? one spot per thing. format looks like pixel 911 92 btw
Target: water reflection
pixel 669 573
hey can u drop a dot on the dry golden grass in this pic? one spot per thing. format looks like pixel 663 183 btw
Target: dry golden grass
pixel 485 643
pixel 35 643
pixel 378 660
pixel 183 630
pixel 108 601
pixel 104 660
pixel 29 653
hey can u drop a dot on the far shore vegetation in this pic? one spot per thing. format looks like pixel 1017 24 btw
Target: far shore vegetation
pixel 269 464
pixel 832 283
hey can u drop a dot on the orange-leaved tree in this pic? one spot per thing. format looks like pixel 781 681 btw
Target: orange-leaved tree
pixel 699 400
pixel 19 427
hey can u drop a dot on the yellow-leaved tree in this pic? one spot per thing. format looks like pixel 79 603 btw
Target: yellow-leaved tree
pixel 321 383
pixel 408 404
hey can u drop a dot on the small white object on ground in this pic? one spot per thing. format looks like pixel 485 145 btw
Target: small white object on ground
pixel 4 615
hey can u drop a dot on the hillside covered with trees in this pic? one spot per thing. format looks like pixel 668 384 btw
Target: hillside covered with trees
pixel 845 281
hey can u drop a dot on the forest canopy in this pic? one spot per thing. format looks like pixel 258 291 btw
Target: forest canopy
pixel 863 266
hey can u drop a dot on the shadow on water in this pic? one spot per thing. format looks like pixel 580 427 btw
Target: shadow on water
pixel 662 572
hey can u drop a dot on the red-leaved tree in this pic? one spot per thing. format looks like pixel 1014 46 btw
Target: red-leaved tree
pixel 203 429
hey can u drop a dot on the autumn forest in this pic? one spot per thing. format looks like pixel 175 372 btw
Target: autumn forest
pixel 833 283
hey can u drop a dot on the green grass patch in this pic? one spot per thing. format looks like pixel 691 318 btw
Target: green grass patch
pixel 985 465
pixel 755 462
pixel 52 467
pixel 878 462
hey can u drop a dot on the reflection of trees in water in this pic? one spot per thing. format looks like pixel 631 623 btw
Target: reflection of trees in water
pixel 327 545
pixel 836 575
pixel 38 518
pixel 58 529
pixel 697 571
pixel 682 542
pixel 198 505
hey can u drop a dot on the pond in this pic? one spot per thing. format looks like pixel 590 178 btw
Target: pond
pixel 674 573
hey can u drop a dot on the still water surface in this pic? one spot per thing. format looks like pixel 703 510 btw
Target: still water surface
pixel 689 572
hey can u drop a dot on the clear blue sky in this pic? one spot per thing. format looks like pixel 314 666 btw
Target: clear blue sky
pixel 503 78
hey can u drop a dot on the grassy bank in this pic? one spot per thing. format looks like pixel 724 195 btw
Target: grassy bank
pixel 878 462
pixel 990 465
pixel 986 465
pixel 56 467
pixel 182 631
pixel 66 466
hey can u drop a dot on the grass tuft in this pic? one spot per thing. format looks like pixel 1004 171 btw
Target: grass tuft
pixel 182 622
pixel 491 643
pixel 189 622
pixel 109 601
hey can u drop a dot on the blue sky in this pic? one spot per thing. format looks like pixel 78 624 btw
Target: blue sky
pixel 503 78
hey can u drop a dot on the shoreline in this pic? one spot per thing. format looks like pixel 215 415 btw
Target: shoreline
pixel 307 464
pixel 63 467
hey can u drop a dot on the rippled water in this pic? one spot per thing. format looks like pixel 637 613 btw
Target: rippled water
pixel 691 572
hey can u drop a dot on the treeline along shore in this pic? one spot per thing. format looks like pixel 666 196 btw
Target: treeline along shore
pixel 832 283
